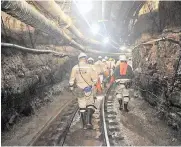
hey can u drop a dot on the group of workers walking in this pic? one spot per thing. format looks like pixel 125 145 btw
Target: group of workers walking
pixel 89 78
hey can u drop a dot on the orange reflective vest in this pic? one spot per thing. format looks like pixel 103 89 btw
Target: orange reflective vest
pixel 123 68
pixel 98 86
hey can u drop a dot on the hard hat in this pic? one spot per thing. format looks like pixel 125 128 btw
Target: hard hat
pixel 110 59
pixel 106 58
pixel 82 55
pixel 99 57
pixel 122 58
pixel 103 60
pixel 90 59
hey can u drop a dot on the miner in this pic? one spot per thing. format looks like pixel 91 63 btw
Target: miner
pixel 123 76
pixel 82 82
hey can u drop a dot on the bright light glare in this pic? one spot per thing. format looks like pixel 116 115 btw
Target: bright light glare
pixel 106 40
pixel 122 48
pixel 84 6
pixel 129 50
pixel 95 29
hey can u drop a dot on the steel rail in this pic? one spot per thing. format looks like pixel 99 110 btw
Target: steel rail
pixel 42 139
pixel 62 139
pixel 34 139
pixel 104 124
pixel 104 119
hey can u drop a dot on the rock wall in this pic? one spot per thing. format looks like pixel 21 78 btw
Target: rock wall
pixel 25 81
pixel 28 80
pixel 159 62
pixel 157 81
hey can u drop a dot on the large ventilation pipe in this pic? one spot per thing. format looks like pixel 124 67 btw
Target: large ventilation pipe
pixel 53 8
pixel 29 15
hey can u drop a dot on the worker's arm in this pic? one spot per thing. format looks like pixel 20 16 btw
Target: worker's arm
pixel 93 75
pixel 72 77
pixel 130 71
pixel 116 72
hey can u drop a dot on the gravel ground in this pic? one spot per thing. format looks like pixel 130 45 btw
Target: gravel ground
pixel 141 126
pixel 24 131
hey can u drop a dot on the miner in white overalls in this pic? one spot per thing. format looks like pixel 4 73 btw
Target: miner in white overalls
pixel 82 81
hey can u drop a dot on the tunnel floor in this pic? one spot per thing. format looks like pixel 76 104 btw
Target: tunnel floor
pixel 80 137
pixel 23 131
pixel 140 126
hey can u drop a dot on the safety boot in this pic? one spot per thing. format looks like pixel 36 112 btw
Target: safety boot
pixel 89 118
pixel 83 118
pixel 120 104
pixel 126 107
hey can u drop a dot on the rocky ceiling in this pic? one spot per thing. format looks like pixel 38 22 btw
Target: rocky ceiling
pixel 116 19
pixel 117 16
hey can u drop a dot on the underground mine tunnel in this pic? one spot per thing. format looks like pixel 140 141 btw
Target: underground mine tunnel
pixel 40 44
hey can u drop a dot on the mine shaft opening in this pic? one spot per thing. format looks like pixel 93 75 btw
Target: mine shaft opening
pixel 49 48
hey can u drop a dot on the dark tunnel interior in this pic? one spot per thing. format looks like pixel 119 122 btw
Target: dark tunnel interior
pixel 40 44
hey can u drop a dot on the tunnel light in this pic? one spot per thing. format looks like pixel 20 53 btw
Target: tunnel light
pixel 106 40
pixel 95 29
pixel 122 48
pixel 84 6
pixel 129 50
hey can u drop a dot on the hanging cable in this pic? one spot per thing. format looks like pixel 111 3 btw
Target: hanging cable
pixel 30 50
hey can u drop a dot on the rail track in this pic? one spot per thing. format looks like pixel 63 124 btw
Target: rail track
pixel 55 132
pixel 112 133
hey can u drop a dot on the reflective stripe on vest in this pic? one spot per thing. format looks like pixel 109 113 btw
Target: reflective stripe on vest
pixel 123 68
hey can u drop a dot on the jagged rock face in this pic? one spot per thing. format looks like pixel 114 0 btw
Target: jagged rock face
pixel 160 77
pixel 25 79
pixel 169 13
pixel 157 82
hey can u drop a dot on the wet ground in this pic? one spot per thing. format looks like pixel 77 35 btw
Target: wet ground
pixel 27 128
pixel 80 137
pixel 141 126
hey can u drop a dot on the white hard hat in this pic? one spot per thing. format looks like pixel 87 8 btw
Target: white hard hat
pixel 106 58
pixel 122 58
pixel 103 60
pixel 82 55
pixel 90 59
pixel 99 57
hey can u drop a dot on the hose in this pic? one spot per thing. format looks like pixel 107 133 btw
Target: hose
pixel 29 15
pixel 36 51
pixel 57 13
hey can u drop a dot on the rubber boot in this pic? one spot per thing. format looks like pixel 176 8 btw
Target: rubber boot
pixel 89 118
pixel 120 104
pixel 126 107
pixel 83 117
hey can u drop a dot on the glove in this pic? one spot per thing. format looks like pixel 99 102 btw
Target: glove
pixel 71 88
pixel 117 80
pixel 128 84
